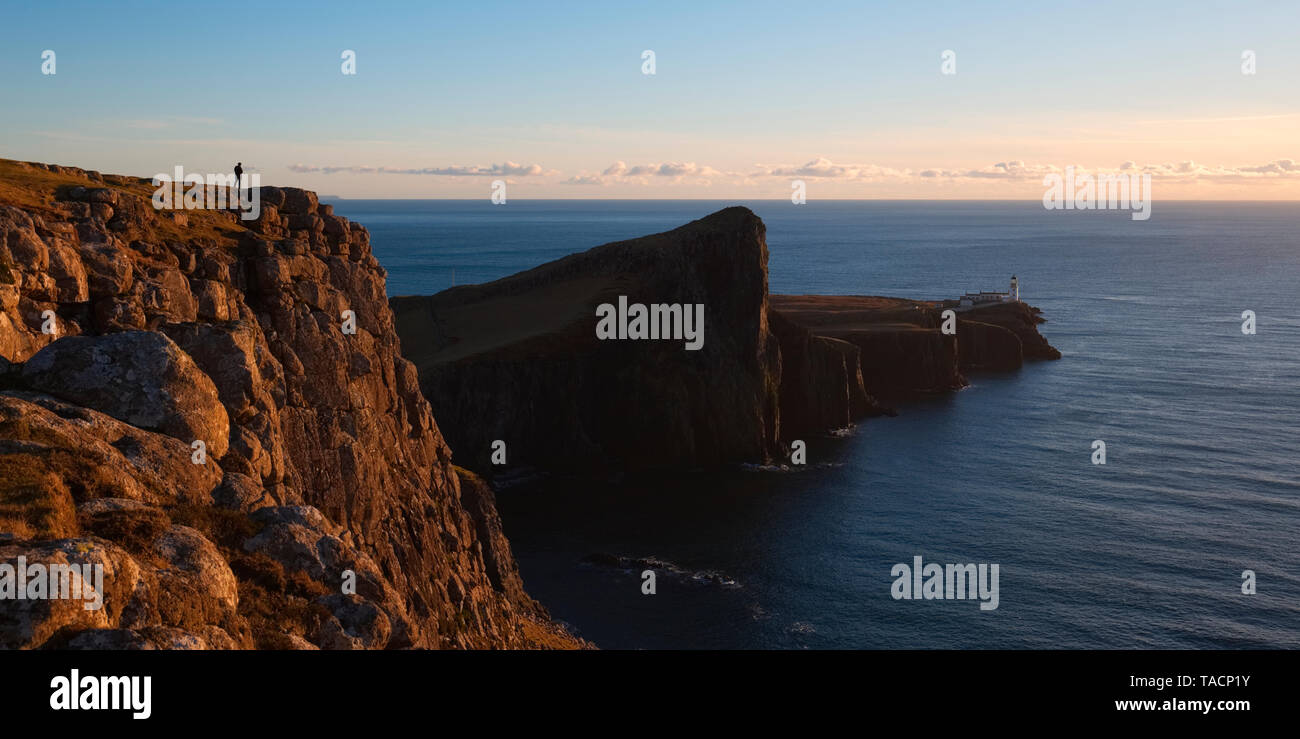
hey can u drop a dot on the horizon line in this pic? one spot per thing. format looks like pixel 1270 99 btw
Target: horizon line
pixel 781 200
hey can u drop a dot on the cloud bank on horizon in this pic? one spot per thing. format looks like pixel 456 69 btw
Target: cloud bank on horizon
pixel 822 168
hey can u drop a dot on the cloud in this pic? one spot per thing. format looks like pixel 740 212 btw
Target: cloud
pixel 1188 169
pixel 504 169
pixel 823 168
pixel 1185 170
pixel 1010 171
pixel 667 169
pixel 585 179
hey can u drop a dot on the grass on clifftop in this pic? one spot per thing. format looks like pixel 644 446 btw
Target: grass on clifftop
pixel 31 188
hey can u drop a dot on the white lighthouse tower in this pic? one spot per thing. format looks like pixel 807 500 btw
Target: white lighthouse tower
pixel 1015 290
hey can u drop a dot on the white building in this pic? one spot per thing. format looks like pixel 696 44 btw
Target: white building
pixel 982 298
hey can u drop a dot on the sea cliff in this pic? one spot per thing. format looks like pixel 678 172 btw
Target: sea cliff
pixel 518 366
pixel 218 414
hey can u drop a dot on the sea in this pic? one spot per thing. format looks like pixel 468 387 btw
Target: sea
pixel 1197 502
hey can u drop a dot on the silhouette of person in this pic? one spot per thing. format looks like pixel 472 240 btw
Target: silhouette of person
pixel 239 176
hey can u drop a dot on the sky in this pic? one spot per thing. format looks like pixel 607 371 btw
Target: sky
pixel 850 98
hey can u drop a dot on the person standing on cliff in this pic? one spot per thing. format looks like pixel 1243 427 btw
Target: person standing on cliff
pixel 239 176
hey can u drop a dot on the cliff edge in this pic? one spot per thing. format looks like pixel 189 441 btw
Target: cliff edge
pixel 518 360
pixel 217 413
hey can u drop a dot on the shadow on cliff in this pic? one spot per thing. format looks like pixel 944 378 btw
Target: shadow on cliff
pixel 515 367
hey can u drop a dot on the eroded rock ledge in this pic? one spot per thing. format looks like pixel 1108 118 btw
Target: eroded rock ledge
pixel 517 360
pixel 321 456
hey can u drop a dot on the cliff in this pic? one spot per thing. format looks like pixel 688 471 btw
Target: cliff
pixel 519 360
pixel 1002 336
pixel 128 335
pixel 902 347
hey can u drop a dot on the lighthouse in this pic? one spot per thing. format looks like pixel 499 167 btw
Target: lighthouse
pixel 1015 290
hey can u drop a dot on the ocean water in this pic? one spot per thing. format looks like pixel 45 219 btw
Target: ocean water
pixel 1201 480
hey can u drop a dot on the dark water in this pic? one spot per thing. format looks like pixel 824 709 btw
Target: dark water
pixel 1200 422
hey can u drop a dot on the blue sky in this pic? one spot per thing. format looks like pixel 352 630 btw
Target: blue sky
pixel 846 95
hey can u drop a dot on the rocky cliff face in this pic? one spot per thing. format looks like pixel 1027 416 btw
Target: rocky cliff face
pixel 518 360
pixel 900 344
pixel 822 381
pixel 902 347
pixel 184 402
pixel 1002 336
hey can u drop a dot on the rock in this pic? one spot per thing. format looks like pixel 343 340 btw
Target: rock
pixel 166 294
pixel 241 493
pixel 94 195
pixel 1019 319
pixel 822 387
pixel 322 455
pixel 69 274
pixel 335 225
pixel 901 348
pixel 50 448
pixel 299 538
pixel 273 196
pixel 196 562
pixel 297 201
pixel 293 641
pixel 306 222
pixel 138 377
pixel 31 623
pixel 110 315
pixel 27 251
pixel 984 346
pixel 108 270
pixel 527 343
pixel 151 638
pixel 210 299
pixel 354 624
pixel 480 502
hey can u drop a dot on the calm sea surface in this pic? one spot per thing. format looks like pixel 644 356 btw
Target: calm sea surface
pixel 1202 479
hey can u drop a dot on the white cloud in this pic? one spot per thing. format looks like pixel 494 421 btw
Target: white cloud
pixel 496 170
pixel 821 167
pixel 620 169
pixel 585 179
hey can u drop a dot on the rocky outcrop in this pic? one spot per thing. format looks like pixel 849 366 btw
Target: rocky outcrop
pixel 140 377
pixel 1002 336
pixel 903 348
pixel 822 385
pixel 322 509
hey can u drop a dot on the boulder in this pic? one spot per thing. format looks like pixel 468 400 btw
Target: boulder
pixel 139 377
